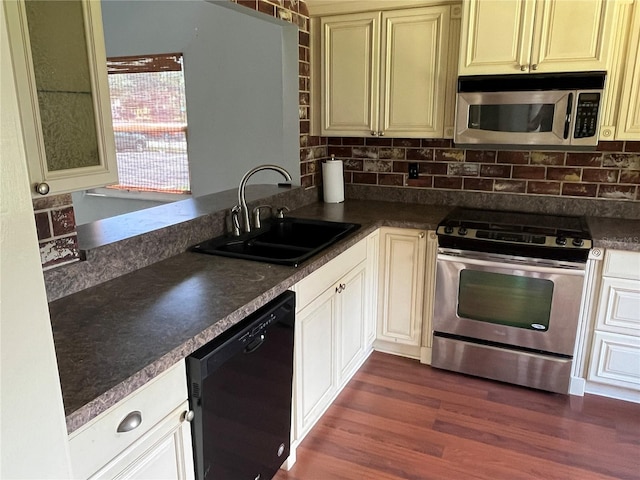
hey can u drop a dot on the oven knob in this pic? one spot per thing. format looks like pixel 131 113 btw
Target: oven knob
pixel 448 229
pixel 561 240
pixel 462 231
pixel 577 242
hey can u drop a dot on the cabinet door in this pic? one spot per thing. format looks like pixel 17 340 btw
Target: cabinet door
pixel 629 116
pixel 350 73
pixel 615 360
pixel 571 35
pixel 61 76
pixel 414 48
pixel 496 36
pixel 351 303
pixel 316 372
pixel 163 453
pixel 619 307
pixel 402 276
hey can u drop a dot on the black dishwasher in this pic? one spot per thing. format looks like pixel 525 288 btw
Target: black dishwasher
pixel 240 387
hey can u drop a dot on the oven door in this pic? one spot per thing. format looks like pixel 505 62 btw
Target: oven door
pixel 516 118
pixel 527 303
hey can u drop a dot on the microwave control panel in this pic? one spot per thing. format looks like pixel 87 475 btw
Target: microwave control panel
pixel 587 115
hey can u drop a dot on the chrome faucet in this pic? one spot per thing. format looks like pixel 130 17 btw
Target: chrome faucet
pixel 241 208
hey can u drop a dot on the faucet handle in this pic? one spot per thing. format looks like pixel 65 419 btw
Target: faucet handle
pixel 235 221
pixel 256 214
pixel 280 212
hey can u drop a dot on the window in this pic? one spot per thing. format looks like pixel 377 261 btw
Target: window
pixel 149 112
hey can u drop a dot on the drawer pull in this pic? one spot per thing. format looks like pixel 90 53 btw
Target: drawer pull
pixel 130 422
pixel 188 415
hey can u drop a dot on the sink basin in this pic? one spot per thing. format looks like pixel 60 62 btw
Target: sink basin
pixel 288 241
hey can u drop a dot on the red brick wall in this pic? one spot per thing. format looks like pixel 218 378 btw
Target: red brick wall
pixel 56 227
pixel 612 171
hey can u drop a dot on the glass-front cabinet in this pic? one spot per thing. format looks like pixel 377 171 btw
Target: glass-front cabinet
pixel 61 76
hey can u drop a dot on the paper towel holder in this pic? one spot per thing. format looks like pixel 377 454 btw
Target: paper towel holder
pixel 333 180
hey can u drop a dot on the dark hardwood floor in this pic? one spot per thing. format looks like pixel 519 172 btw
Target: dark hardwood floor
pixel 398 419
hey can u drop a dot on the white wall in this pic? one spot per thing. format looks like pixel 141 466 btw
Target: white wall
pixel 241 74
pixel 33 436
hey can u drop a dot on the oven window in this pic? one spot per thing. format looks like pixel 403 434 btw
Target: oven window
pixel 517 301
pixel 512 117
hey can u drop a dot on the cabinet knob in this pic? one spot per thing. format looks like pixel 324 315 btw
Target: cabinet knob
pixel 42 188
pixel 421 235
pixel 188 415
pixel 381 134
pixel 534 66
pixel 374 134
pixel 523 68
pixel 130 422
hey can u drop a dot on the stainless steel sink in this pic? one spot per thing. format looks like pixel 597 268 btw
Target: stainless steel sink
pixel 287 241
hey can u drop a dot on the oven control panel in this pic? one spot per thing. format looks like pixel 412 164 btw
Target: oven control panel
pixel 555 241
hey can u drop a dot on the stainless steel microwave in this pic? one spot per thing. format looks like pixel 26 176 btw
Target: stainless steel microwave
pixel 539 110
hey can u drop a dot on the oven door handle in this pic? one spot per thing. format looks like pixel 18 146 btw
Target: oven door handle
pixel 534 266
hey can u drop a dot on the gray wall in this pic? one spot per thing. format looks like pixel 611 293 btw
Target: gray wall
pixel 241 71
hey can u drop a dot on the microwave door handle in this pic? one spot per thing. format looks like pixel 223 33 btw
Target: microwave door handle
pixel 567 118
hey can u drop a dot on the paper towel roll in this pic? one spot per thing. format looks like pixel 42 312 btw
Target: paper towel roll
pixel 333 181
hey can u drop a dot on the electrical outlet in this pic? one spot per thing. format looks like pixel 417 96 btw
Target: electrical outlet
pixel 413 170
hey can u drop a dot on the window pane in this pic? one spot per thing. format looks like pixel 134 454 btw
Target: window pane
pixel 517 301
pixel 150 125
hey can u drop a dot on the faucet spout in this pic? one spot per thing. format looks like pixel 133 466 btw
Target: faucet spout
pixel 242 202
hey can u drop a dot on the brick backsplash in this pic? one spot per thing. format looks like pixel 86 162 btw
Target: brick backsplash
pixel 56 228
pixel 610 172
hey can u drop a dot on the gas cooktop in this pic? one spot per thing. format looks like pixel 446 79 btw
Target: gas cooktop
pixel 516 233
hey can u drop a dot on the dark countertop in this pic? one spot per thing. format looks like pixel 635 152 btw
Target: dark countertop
pixel 615 233
pixel 112 338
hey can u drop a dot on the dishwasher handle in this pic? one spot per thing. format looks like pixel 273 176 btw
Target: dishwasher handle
pixel 255 344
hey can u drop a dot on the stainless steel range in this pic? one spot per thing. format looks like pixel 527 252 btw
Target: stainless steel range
pixel 508 293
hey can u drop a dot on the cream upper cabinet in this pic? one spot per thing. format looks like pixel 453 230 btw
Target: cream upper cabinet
pixel 61 77
pixel 384 73
pixel 629 104
pixel 526 36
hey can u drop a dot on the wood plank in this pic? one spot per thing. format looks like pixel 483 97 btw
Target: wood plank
pixel 398 419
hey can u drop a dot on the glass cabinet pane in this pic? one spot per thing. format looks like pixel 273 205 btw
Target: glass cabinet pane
pixel 63 83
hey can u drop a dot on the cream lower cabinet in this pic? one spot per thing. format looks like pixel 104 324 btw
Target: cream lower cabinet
pixel 526 36
pixel 369 84
pixel 333 324
pixel 403 291
pixel 159 444
pixel 614 368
